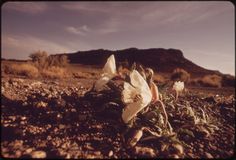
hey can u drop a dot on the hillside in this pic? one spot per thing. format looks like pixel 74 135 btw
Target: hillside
pixel 161 60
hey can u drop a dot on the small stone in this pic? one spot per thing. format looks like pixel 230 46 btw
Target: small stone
pixel 97 153
pixel 41 104
pixel 201 145
pixel 23 118
pixel 213 147
pixel 179 148
pixel 88 146
pixel 38 154
pixel 190 155
pixel 61 126
pixel 208 155
pixel 29 150
pixel 110 153
pixel 59 115
pixel 145 151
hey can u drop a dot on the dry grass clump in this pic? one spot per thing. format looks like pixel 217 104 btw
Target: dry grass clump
pixel 54 72
pixel 42 61
pixel 79 74
pixel 25 69
pixel 211 81
pixel 180 74
pixel 159 78
pixel 42 65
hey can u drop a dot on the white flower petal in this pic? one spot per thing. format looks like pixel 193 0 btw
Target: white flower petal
pixel 141 87
pixel 109 71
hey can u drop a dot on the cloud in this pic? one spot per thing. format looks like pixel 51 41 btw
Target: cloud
pixel 83 30
pixel 26 7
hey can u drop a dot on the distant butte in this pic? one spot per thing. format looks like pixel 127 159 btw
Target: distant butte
pixel 161 60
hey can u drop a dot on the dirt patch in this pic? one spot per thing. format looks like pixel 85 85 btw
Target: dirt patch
pixel 53 119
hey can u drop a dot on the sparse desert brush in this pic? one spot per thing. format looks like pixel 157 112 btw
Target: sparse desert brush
pixel 79 74
pixel 159 78
pixel 42 61
pixel 211 81
pixel 26 69
pixel 180 74
pixel 228 81
pixel 54 72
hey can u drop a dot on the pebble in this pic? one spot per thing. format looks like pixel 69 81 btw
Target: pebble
pixel 23 118
pixel 38 154
pixel 208 155
pixel 110 153
pixel 201 145
pixel 61 126
pixel 179 148
pixel 97 153
pixel 29 150
pixel 41 104
pixel 190 155
pixel 2 89
pixel 145 151
pixel 213 147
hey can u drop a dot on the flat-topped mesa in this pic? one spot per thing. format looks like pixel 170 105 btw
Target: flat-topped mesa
pixel 159 59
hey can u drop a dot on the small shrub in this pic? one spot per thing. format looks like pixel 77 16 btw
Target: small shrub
pixel 180 75
pixel 159 78
pixel 211 81
pixel 27 70
pixel 79 74
pixel 39 59
pixel 54 72
pixel 42 61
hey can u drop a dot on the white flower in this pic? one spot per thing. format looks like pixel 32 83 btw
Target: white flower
pixel 139 87
pixel 178 86
pixel 109 71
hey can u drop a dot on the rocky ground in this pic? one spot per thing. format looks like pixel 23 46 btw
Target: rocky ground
pixel 53 119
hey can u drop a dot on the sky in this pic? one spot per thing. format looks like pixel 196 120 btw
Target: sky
pixel 203 30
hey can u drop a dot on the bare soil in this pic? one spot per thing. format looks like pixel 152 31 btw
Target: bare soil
pixel 52 119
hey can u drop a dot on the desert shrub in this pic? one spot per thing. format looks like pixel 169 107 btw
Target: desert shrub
pixel 228 81
pixel 211 81
pixel 54 72
pixel 27 70
pixel 42 61
pixel 159 78
pixel 39 59
pixel 79 74
pixel 180 74
pixel 50 66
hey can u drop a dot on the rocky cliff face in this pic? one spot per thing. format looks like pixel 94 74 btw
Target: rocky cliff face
pixel 161 60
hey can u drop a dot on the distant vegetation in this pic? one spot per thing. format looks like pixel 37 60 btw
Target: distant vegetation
pixel 214 80
pixel 180 74
pixel 41 65
pixel 211 81
pixel 57 66
pixel 26 69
